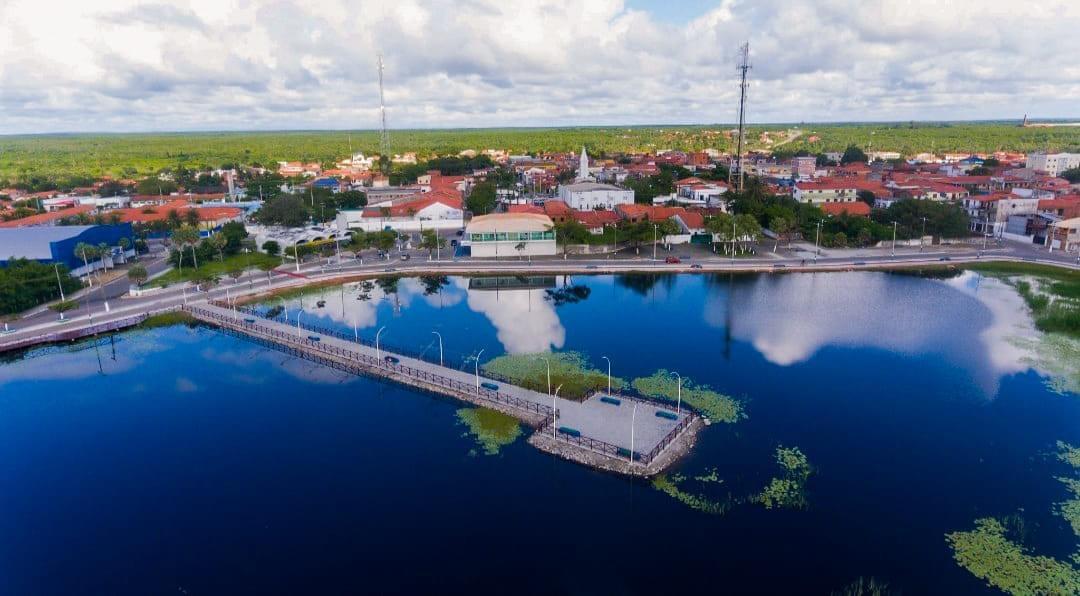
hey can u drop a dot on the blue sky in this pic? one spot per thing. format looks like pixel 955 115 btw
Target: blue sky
pixel 674 11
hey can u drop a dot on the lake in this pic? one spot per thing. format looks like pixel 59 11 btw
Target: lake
pixel 183 460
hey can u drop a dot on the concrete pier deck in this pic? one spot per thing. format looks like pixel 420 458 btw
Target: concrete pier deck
pixel 591 432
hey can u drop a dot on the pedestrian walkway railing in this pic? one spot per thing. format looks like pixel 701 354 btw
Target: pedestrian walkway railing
pixel 363 363
pixel 72 334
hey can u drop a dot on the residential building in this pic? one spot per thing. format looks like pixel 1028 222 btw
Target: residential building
pixel 510 235
pixel 833 190
pixel 1064 235
pixel 594 195
pixel 854 208
pixel 430 211
pixel 1052 164
pixel 804 167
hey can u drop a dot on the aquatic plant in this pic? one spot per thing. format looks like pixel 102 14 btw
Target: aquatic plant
pixel 716 406
pixel 866 587
pixel 167 319
pixel 569 369
pixel 710 475
pixel 987 553
pixel 1058 356
pixel 670 486
pixel 492 430
pixel 788 490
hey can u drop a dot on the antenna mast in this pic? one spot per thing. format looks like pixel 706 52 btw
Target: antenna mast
pixel 744 66
pixel 384 137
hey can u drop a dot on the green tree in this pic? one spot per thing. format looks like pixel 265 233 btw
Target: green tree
pixel 780 226
pixel 286 210
pixel 219 242
pixel 430 241
pixel 482 199
pixel 25 284
pixel 853 154
pixel 173 219
pixel 186 236
pixel 155 186
pixel 125 245
pixel 1072 175
pixel 138 274
pixel 272 248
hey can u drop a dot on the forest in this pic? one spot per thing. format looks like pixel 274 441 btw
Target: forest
pixel 73 159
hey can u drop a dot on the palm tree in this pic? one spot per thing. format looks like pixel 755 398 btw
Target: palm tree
pixel 103 249
pixel 219 241
pixel 187 235
pixel 125 244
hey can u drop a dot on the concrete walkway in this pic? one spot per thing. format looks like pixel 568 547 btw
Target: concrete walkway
pixel 593 418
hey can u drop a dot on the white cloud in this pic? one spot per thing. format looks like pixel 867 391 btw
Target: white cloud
pixel 124 65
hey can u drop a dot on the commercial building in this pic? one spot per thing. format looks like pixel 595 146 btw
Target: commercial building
pixel 56 244
pixel 1053 164
pixel 510 235
pixel 435 210
pixel 1064 235
pixel 593 195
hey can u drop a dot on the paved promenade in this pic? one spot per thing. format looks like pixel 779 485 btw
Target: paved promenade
pixel 603 427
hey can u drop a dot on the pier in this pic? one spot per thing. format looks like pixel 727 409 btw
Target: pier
pixel 625 435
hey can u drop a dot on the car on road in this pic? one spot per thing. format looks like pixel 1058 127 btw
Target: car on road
pixel 860 262
pixel 696 266
pixel 672 260
pixel 490 386
pixel 779 266
pixel 314 338
pixel 391 360
pixel 405 257
pixel 460 233
pixel 590 266
pixel 389 270
pixel 945 259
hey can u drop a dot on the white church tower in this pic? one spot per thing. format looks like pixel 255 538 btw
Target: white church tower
pixel 583 167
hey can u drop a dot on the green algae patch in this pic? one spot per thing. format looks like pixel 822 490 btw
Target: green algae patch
pixel 992 553
pixel 167 319
pixel 715 406
pixel 788 490
pixel 866 586
pixel 669 485
pixel 1057 356
pixel 988 554
pixel 569 369
pixel 492 430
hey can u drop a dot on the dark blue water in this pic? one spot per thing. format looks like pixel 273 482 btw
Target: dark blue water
pixel 182 460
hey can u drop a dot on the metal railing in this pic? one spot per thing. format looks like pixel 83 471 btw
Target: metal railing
pixel 364 363
pixel 78 333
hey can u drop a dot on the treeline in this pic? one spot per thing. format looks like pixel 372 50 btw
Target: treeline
pixel 315 205
pixel 25 284
pixel 58 159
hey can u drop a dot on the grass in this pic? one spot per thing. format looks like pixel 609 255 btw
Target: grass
pixel 670 486
pixel 569 369
pixel 492 430
pixel 716 406
pixel 167 319
pixel 239 261
pixel 1052 293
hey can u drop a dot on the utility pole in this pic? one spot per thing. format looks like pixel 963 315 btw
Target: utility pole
pixel 384 135
pixel 744 67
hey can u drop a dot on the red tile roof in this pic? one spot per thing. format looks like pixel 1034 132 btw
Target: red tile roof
pixel 556 208
pixel 525 209
pixel 826 184
pixel 693 220
pixel 855 208
pixel 595 219
pixel 161 212
pixel 42 219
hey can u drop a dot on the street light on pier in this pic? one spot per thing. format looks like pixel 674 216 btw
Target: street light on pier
pixel 554 428
pixel 298 323
pixel 608 374
pixel 439 335
pixel 678 405
pixel 378 354
pixel 477 365
pixel 548 363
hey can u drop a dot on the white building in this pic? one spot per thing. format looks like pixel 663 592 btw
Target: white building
pixel 510 235
pixel 434 212
pixel 1053 164
pixel 585 196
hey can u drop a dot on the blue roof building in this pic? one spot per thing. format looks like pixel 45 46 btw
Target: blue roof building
pixel 56 244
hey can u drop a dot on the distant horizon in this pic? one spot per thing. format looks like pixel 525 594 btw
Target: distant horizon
pixel 724 125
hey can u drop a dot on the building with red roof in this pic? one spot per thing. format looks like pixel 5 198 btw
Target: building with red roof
pixel 48 219
pixel 857 208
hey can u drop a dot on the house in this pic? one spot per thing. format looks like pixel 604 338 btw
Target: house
pixel 832 190
pixel 558 211
pixel 436 210
pixel 290 169
pixel 595 221
pixel 1065 207
pixel 1064 235
pixel 594 195
pixel 856 208
pixel 510 235
pixel 49 218
pixel 804 167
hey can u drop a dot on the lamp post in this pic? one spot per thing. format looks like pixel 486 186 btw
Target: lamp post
pixel 923 234
pixel 633 419
pixel 548 362
pixel 298 334
pixel 378 354
pixel 56 269
pixel 817 240
pixel 678 404
pixel 894 238
pixel 296 255
pixel 654 227
pixel 608 374
pixel 477 365
pixel 286 306
pixel 554 428
pixel 439 335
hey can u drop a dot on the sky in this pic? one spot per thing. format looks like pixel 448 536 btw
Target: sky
pixel 137 65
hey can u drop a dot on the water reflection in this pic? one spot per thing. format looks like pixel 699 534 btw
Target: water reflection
pixel 525 322
pixel 972 321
